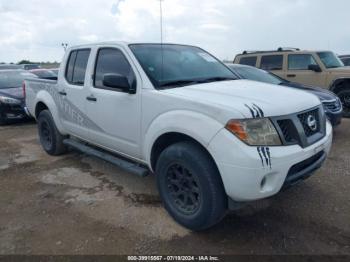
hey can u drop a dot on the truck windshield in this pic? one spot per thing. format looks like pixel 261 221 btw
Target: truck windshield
pixel 330 60
pixel 169 66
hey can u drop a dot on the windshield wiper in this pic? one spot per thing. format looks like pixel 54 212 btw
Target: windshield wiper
pixel 216 79
pixel 178 83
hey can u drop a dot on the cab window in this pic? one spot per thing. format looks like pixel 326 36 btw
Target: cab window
pixel 76 66
pixel 249 60
pixel 112 60
pixel 300 61
pixel 272 62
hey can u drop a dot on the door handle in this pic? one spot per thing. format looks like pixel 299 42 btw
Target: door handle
pixel 62 93
pixel 292 75
pixel 91 98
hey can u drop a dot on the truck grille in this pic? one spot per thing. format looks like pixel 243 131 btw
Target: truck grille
pixel 304 128
pixel 289 131
pixel 332 106
pixel 304 119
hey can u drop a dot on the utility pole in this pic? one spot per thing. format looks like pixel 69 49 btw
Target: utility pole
pixel 161 20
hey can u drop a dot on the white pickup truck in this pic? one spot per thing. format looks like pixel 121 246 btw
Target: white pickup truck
pixel 176 111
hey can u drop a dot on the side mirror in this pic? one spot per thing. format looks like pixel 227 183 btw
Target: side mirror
pixel 117 81
pixel 315 68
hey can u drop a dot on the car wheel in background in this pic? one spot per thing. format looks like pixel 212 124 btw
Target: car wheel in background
pixel 344 96
pixel 190 186
pixel 50 138
pixel 2 119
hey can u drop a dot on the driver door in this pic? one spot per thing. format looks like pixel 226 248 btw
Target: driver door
pixel 298 70
pixel 117 113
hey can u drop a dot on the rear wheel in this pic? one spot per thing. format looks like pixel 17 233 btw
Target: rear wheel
pixel 344 96
pixel 50 138
pixel 190 186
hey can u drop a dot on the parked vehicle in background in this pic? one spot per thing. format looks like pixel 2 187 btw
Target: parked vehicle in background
pixel 44 74
pixel 345 59
pixel 176 110
pixel 315 68
pixel 30 66
pixel 55 71
pixel 331 103
pixel 9 66
pixel 12 103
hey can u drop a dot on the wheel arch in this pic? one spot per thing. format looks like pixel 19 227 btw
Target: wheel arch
pixel 44 101
pixel 170 138
pixel 339 84
pixel 175 126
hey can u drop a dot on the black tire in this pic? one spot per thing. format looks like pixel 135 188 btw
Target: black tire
pixel 344 96
pixel 196 199
pixel 2 120
pixel 50 138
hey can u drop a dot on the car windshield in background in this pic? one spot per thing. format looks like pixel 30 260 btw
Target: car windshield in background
pixel 45 74
pixel 330 60
pixel 177 65
pixel 256 74
pixel 12 79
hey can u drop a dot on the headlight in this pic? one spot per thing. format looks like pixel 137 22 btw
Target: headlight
pixel 255 132
pixel 8 100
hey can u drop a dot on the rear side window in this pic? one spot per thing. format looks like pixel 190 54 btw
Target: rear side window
pixel 76 66
pixel 250 60
pixel 300 62
pixel 272 62
pixel 112 60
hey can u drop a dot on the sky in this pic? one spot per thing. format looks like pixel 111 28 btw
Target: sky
pixel 35 29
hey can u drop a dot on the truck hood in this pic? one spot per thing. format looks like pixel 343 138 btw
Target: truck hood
pixel 321 93
pixel 15 92
pixel 242 95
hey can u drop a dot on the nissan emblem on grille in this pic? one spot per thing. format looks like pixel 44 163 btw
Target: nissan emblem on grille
pixel 311 122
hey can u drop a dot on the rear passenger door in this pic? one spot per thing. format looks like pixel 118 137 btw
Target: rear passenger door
pixel 115 112
pixel 72 92
pixel 298 70
pixel 273 63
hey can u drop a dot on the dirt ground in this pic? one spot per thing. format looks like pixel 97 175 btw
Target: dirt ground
pixel 76 204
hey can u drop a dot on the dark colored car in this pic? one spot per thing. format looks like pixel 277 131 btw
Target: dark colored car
pixel 44 74
pixel 30 66
pixel 331 103
pixel 55 71
pixel 12 103
pixel 345 59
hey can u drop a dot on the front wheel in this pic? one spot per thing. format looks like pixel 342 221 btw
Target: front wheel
pixel 190 186
pixel 344 96
pixel 50 138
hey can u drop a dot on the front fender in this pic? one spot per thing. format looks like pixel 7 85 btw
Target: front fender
pixel 196 125
pixel 45 97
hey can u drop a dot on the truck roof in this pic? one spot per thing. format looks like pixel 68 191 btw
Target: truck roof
pixel 279 50
pixel 122 43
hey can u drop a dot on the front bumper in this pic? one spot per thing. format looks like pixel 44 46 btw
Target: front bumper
pixel 251 173
pixel 335 118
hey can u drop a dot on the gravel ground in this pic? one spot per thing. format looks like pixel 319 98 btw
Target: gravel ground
pixel 76 204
